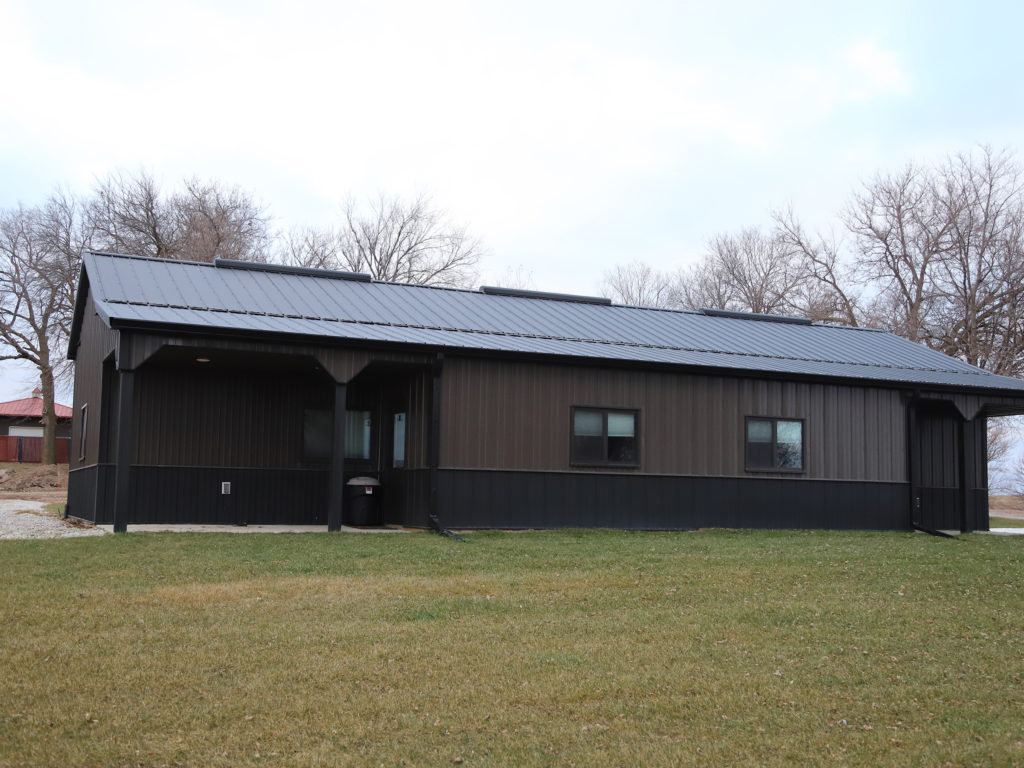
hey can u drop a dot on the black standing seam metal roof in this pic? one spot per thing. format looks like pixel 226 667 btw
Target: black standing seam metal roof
pixel 131 289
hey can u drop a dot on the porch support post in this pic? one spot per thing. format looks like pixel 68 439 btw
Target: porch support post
pixel 913 462
pixel 125 434
pixel 964 444
pixel 434 449
pixel 336 494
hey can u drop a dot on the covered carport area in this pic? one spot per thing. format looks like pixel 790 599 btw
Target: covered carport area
pixel 948 458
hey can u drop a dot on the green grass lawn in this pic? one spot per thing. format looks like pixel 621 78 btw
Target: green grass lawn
pixel 1005 522
pixel 568 648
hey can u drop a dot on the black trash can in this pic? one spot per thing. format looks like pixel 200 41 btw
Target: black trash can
pixel 362 501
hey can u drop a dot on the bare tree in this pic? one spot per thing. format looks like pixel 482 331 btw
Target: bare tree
pixel 1013 483
pixel 900 235
pixel 401 242
pixel 516 277
pixel 1002 470
pixel 311 247
pixel 831 293
pixel 204 221
pixel 216 222
pixel 639 285
pixel 129 215
pixel 704 285
pixel 934 253
pixel 750 271
pixel 979 281
pixel 39 261
pixel 393 241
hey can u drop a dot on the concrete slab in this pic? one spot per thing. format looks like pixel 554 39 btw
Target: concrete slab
pixel 186 528
pixel 1007 531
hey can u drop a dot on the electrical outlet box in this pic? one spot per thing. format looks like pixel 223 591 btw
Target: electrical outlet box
pixel 225 489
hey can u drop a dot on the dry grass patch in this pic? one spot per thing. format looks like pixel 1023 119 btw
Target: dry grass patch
pixel 593 648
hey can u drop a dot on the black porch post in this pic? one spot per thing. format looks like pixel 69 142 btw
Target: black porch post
pixel 434 450
pixel 125 434
pixel 913 462
pixel 336 495
pixel 964 455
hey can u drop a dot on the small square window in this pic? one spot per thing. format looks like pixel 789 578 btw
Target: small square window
pixel 774 445
pixel 604 437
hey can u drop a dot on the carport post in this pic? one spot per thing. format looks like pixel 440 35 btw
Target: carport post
pixel 963 456
pixel 336 495
pixel 125 434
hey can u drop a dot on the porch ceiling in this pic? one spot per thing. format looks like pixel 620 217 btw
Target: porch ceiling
pixel 227 359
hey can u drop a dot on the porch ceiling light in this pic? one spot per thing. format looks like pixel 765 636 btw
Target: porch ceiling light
pixel 202 359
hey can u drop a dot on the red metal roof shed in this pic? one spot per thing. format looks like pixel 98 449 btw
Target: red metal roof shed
pixel 32 406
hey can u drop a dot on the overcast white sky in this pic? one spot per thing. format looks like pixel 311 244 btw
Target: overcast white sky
pixel 569 136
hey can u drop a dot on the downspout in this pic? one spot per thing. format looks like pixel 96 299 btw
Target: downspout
pixel 929 531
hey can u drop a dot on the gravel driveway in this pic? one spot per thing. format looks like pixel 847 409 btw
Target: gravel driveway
pixel 28 520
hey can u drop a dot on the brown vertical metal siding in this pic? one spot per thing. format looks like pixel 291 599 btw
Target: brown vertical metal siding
pixel 515 415
pixel 197 417
pixel 418 434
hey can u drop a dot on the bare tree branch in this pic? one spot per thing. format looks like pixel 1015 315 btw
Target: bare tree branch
pixel 639 285
pixel 750 272
pixel 204 221
pixel 393 241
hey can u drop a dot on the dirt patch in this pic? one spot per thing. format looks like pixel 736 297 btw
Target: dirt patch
pixel 38 482
pixel 1006 506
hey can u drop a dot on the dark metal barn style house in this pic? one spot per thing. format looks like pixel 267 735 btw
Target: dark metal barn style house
pixel 245 393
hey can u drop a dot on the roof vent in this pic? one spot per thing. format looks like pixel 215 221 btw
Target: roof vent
pixel 756 316
pixel 331 274
pixel 493 290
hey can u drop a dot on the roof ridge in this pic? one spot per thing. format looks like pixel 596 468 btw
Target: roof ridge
pixel 212 265
pixel 470 291
pixel 134 257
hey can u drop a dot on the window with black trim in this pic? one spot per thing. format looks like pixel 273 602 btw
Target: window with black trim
pixel 357 434
pixel 398 441
pixel 775 445
pixel 83 431
pixel 602 436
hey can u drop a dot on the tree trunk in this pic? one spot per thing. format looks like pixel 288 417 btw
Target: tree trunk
pixel 49 417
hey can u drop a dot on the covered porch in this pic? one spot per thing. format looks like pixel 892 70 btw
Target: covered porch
pixel 238 433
